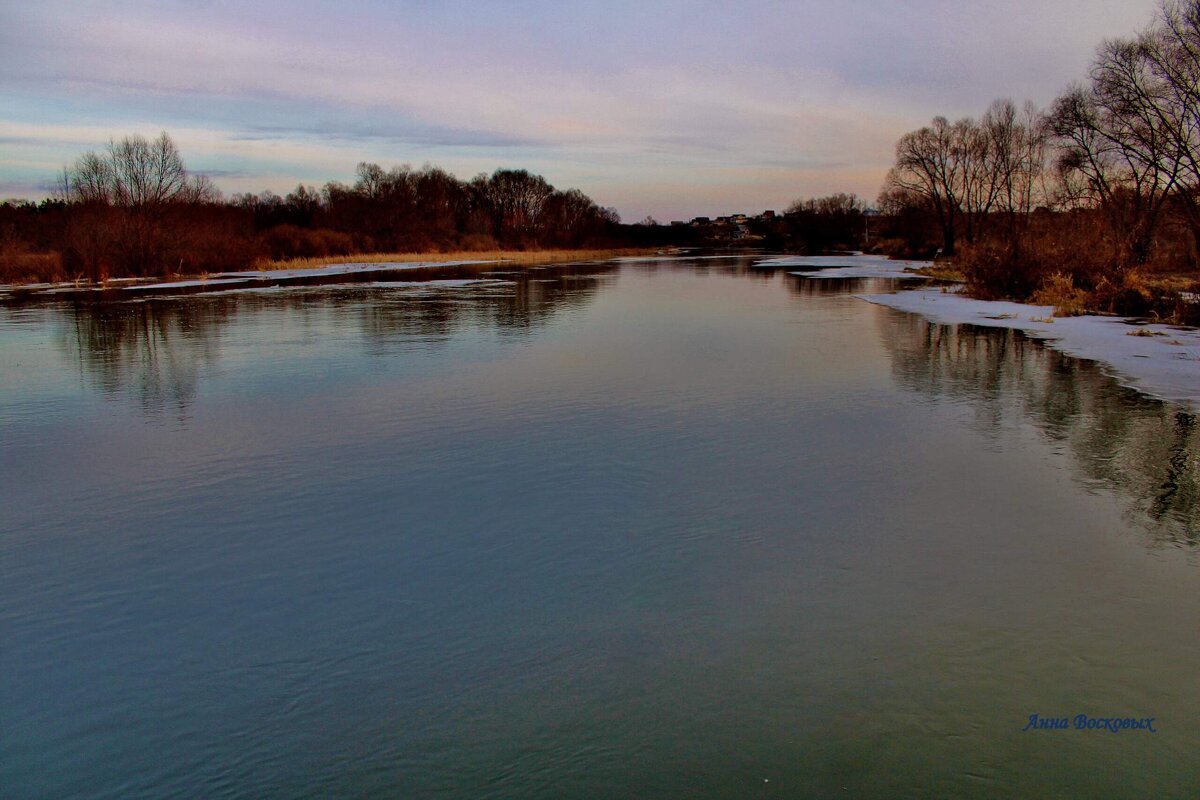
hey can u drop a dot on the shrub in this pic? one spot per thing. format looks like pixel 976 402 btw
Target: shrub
pixel 1059 290
pixel 18 266
pixel 284 242
pixel 479 242
pixel 993 270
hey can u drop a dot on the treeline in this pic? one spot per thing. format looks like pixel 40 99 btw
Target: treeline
pixel 836 222
pixel 135 210
pixel 1081 204
pixel 820 225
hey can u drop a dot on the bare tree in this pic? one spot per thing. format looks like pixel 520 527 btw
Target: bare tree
pixel 925 168
pixel 973 149
pixel 124 201
pixel 1170 51
pixel 136 173
pixel 1016 163
pixel 146 173
pixel 1124 137
pixel 948 166
pixel 516 199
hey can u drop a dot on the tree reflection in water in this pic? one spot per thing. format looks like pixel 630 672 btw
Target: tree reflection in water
pixel 1145 450
pixel 152 352
pixel 155 351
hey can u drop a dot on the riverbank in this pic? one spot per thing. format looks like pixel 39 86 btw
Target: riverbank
pixel 370 266
pixel 43 270
pixel 517 257
pixel 1157 359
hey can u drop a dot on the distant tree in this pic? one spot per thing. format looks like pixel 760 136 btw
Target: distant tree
pixel 303 205
pixel 443 205
pixel 134 209
pixel 136 173
pixel 949 166
pixel 125 206
pixel 572 219
pixel 834 204
pixel 908 220
pixel 516 199
pixel 1016 162
pixel 826 223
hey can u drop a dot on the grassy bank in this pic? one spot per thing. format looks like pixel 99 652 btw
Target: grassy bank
pixel 1160 292
pixel 29 268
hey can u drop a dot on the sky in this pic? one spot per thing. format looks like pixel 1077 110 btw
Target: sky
pixel 654 107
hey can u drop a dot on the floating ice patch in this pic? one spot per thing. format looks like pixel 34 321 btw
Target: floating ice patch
pixel 188 284
pixel 446 283
pixel 347 269
pixel 864 271
pixel 1162 360
pixel 674 257
pixel 877 266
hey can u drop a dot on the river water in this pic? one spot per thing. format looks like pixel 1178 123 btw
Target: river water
pixel 677 528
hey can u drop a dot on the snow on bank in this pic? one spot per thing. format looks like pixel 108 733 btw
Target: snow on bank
pixel 1161 360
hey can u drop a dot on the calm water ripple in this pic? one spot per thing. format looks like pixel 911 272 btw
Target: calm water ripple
pixel 651 529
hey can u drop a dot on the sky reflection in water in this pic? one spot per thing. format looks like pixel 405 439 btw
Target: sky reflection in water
pixel 665 529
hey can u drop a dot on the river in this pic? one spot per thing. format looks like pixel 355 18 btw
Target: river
pixel 653 528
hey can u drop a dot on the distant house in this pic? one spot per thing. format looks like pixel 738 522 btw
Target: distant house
pixel 677 223
pixel 738 219
pixel 767 215
pixel 701 221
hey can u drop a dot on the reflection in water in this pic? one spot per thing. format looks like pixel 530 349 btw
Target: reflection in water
pixel 574 533
pixel 1147 450
pixel 830 287
pixel 515 306
pixel 155 350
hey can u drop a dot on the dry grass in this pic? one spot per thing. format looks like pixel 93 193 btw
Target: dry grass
pixel 517 257
pixel 22 267
pixel 944 271
pixel 1060 291
pixel 1171 282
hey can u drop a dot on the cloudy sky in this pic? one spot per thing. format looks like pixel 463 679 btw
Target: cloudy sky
pixel 655 107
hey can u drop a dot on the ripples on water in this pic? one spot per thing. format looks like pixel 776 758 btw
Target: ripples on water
pixel 655 529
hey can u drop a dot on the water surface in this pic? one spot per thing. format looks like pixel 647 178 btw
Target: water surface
pixel 652 529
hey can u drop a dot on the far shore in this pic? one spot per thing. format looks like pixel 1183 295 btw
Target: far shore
pixel 461 257
pixel 521 257
pixel 466 264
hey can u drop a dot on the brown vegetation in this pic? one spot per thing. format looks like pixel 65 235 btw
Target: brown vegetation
pixel 134 210
pixel 1094 204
